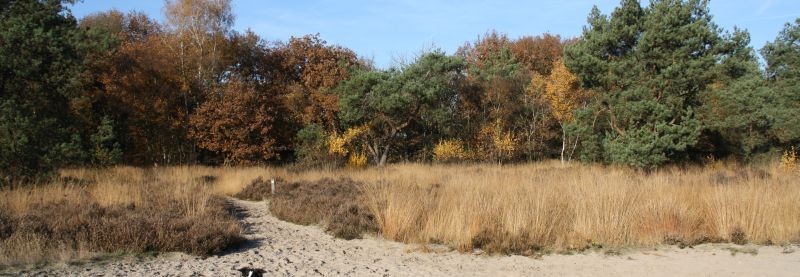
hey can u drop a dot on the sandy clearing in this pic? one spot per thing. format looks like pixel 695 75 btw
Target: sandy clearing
pixel 286 249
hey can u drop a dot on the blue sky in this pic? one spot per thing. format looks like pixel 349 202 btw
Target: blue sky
pixel 386 30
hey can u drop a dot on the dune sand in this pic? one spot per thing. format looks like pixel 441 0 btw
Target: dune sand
pixel 285 249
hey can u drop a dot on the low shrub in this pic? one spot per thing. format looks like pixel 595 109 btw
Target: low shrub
pixel 336 204
pixel 449 151
pixel 58 222
pixel 259 189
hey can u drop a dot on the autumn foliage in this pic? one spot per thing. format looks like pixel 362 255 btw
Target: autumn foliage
pixel 237 123
pixel 123 88
pixel 449 151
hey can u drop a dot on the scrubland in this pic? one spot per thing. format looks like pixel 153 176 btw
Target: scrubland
pixel 529 209
pixel 91 213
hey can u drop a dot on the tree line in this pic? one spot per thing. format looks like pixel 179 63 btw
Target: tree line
pixel 644 86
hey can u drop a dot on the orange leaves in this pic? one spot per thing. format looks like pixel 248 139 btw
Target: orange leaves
pixel 538 53
pixel 320 65
pixel 562 91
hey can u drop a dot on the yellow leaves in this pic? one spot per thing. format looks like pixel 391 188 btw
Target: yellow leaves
pixel 537 86
pixel 449 150
pixel 562 91
pixel 337 144
pixel 357 160
pixel 504 142
pixel 498 143
pixel 342 145
pixel 789 159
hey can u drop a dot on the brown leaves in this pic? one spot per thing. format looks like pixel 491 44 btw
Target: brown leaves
pixel 538 53
pixel 139 85
pixel 316 68
pixel 237 123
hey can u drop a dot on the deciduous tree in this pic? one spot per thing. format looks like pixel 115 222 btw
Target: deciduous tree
pixel 564 94
pixel 138 86
pixel 314 68
pixel 237 122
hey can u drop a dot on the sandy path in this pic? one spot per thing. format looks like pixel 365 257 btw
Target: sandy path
pixel 285 249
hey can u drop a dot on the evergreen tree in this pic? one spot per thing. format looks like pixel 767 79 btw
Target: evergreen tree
pixel 783 72
pixel 106 149
pixel 650 66
pixel 41 53
pixel 388 103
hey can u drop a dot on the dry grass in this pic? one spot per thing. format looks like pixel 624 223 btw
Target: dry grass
pixel 259 189
pixel 507 209
pixel 549 206
pixel 123 209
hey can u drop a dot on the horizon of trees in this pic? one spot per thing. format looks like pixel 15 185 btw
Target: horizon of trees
pixel 642 87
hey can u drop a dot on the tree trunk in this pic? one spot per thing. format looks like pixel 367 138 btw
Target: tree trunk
pixel 374 151
pixel 574 146
pixel 563 142
pixel 384 156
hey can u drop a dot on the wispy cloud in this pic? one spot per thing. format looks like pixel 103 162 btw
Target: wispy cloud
pixel 764 7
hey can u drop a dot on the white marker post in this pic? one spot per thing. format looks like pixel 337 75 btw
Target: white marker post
pixel 273 186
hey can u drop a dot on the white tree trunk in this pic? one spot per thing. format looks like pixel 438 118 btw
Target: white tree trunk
pixel 563 142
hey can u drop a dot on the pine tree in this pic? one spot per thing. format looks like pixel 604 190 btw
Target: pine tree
pixel 650 66
pixel 41 53
pixel 783 72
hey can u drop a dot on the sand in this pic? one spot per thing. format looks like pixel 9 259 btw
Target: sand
pixel 285 249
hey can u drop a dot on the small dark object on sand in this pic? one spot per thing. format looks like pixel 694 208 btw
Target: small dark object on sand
pixel 252 272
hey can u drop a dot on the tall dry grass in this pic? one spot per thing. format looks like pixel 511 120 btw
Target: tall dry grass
pixel 510 209
pixel 550 206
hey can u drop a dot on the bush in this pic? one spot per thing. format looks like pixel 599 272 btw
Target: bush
pixel 789 159
pixel 132 213
pixel 336 204
pixel 311 147
pixel 257 190
pixel 449 151
pixel 357 160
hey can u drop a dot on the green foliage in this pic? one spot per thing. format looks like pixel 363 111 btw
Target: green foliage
pixel 650 66
pixel 106 148
pixel 753 115
pixel 669 87
pixel 783 72
pixel 41 53
pixel 389 102
pixel 311 148
pixel 783 55
pixel 740 116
